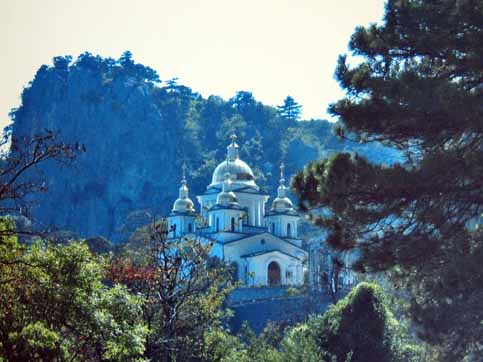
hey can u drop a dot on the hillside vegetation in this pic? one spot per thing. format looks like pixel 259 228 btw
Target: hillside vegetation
pixel 137 132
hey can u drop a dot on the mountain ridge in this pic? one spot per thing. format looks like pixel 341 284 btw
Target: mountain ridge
pixel 138 131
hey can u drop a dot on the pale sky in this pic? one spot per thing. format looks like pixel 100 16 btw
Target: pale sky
pixel 272 48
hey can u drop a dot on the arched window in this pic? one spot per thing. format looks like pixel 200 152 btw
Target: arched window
pixel 274 274
pixel 190 227
pixel 272 228
pixel 232 224
pixel 289 231
pixel 217 228
pixel 173 227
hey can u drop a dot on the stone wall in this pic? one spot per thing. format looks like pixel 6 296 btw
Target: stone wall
pixel 259 306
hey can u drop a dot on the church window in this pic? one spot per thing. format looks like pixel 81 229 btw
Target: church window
pixel 232 224
pixel 262 241
pixel 272 227
pixel 173 228
pixel 289 231
pixel 190 227
pixel 288 274
pixel 217 224
pixel 234 270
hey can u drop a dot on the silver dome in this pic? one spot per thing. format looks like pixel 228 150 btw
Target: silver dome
pixel 184 205
pixel 282 202
pixel 240 173
pixel 227 197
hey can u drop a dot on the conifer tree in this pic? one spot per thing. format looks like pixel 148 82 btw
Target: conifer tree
pixel 419 89
pixel 290 110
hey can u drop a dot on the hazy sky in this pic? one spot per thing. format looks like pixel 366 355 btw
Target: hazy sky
pixel 272 48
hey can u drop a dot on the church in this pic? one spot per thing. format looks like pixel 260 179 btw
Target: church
pixel 260 240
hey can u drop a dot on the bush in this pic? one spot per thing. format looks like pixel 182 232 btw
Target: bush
pixel 362 327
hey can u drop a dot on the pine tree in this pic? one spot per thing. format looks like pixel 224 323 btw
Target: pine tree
pixel 419 89
pixel 290 110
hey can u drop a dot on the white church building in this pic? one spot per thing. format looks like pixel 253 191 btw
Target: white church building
pixel 262 241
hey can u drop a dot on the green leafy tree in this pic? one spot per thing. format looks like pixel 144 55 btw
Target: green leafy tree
pixel 55 307
pixel 184 290
pixel 299 345
pixel 360 327
pixel 222 346
pixel 418 88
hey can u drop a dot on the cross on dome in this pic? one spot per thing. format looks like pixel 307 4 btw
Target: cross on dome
pixel 281 188
pixel 282 168
pixel 183 169
pixel 282 202
pixel 232 149
pixel 183 203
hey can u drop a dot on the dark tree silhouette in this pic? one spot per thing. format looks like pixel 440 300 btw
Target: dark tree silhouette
pixel 419 89
pixel 18 165
pixel 290 110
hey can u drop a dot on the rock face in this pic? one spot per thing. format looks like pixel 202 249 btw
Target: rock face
pixel 137 132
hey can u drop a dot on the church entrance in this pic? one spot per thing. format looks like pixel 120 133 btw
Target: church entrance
pixel 274 275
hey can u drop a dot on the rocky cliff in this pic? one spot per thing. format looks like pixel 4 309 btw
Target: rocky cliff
pixel 137 131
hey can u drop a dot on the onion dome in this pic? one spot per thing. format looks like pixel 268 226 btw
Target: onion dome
pixel 183 203
pixel 241 174
pixel 227 197
pixel 282 202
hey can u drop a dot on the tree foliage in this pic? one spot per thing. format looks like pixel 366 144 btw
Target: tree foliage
pixel 419 89
pixel 24 156
pixel 361 327
pixel 290 110
pixel 55 307
pixel 183 287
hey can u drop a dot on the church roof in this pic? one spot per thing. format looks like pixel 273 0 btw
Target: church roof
pixel 263 252
pixel 285 212
pixel 231 206
pixel 237 188
pixel 266 234
pixel 183 213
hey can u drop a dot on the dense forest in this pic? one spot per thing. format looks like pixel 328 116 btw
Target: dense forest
pixel 137 131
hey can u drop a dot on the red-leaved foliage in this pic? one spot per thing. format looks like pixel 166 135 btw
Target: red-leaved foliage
pixel 135 277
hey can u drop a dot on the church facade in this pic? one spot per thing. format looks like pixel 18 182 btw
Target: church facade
pixel 260 240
